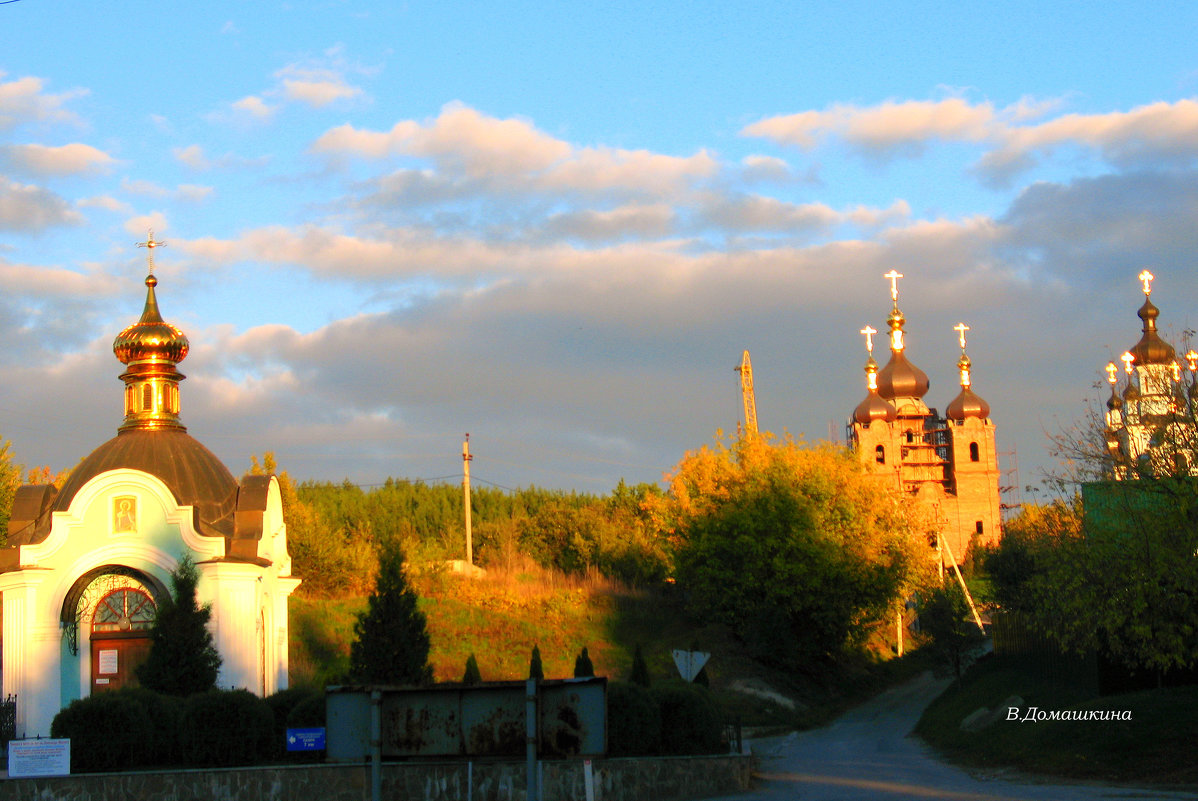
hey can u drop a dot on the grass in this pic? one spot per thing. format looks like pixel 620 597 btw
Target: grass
pixel 1156 746
pixel 500 615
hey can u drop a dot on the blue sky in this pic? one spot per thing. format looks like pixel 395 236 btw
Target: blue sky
pixel 556 226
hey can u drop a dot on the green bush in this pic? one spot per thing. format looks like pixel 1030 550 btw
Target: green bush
pixel 282 704
pixel 308 713
pixel 108 732
pixel 633 720
pixel 165 714
pixel 690 719
pixel 222 728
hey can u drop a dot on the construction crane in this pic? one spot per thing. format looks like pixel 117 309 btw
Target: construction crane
pixel 746 390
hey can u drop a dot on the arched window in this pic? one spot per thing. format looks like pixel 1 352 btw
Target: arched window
pixel 147 398
pixel 880 454
pixel 125 609
pixel 979 528
pixel 910 436
pixel 974 454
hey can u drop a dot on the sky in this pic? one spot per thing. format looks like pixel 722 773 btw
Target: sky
pixel 558 226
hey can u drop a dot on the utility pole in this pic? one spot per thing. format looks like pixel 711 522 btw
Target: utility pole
pixel 466 457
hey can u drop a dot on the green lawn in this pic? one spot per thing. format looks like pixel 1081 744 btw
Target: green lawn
pixel 1157 745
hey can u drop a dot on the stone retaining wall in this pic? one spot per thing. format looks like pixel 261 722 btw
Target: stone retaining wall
pixel 656 778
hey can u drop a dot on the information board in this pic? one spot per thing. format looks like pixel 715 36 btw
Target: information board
pixel 39 758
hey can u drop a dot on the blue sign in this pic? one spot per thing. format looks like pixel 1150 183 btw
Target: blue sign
pixel 305 739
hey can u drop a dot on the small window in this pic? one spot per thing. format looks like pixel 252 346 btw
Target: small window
pixel 981 529
pixel 910 436
pixel 974 454
pixel 147 398
pixel 880 454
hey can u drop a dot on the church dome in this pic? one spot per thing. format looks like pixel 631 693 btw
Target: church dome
pixel 1114 402
pixel 150 338
pixel 874 407
pixel 901 379
pixel 967 404
pixel 1151 349
pixel 192 472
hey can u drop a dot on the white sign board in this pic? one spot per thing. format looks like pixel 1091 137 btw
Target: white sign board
pixel 690 663
pixel 108 661
pixel 39 758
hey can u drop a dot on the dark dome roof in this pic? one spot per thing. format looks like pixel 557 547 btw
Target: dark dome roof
pixel 1114 402
pixel 901 379
pixel 192 472
pixel 1151 349
pixel 967 404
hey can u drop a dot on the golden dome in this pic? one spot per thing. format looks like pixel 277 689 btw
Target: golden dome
pixel 901 379
pixel 150 338
pixel 1151 349
pixel 967 404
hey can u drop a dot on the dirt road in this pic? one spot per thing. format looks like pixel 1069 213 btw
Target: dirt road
pixel 867 755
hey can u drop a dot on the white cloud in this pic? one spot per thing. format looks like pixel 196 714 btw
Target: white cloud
pixel 192 156
pixel 154 221
pixel 23 100
pixel 30 209
pixel 106 203
pixel 254 107
pixel 41 160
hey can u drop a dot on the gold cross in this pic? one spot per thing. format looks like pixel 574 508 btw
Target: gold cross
pixel 1192 358
pixel 869 332
pixel 149 245
pixel 961 328
pixel 894 276
pixel 1112 372
pixel 1127 359
pixel 1146 277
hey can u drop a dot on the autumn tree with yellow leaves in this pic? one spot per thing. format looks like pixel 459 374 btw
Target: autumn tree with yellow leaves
pixel 795 548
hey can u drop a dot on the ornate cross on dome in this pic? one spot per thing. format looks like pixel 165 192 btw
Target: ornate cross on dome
pixel 869 332
pixel 149 245
pixel 894 276
pixel 1127 359
pixel 1192 359
pixel 961 328
pixel 1146 277
pixel 1112 372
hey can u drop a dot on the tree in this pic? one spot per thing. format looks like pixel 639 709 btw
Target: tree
pixel 472 675
pixel 391 636
pixel 640 671
pixel 183 659
pixel 945 615
pixel 535 669
pixel 10 480
pixel 796 549
pixel 582 664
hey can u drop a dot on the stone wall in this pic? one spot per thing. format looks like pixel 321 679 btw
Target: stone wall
pixel 657 778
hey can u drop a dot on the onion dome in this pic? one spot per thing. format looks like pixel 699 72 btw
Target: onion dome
pixel 1151 349
pixel 901 379
pixel 1131 393
pixel 150 339
pixel 1114 402
pixel 967 403
pixel 874 407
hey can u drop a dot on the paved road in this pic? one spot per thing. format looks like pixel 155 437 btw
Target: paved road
pixel 867 755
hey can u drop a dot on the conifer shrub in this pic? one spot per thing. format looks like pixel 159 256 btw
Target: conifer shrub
pixel 308 713
pixel 633 720
pixel 108 732
pixel 640 670
pixel 391 642
pixel 223 728
pixel 183 658
pixel 690 719
pixel 583 667
pixel 535 669
pixel 472 675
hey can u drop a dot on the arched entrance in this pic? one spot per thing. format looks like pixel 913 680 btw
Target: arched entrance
pixel 120 641
pixel 112 608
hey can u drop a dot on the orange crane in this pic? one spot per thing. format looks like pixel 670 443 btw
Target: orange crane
pixel 746 390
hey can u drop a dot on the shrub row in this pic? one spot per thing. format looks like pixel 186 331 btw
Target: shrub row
pixel 672 718
pixel 138 728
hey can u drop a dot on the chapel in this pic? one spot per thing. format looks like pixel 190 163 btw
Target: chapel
pixel 86 565
pixel 950 463
pixel 1150 424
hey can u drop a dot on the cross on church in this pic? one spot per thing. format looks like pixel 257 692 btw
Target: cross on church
pixel 894 276
pixel 1146 277
pixel 1112 372
pixel 961 328
pixel 1192 358
pixel 149 245
pixel 1127 359
pixel 869 332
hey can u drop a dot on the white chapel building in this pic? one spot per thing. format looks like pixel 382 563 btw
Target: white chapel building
pixel 86 565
